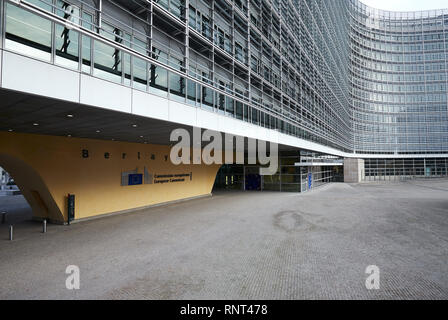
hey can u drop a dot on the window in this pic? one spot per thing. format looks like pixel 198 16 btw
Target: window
pixel 255 116
pixel 239 110
pixel 230 108
pixel 206 32
pixel 140 66
pixel 108 60
pixel 127 60
pixel 207 93
pixel 246 113
pixel 177 7
pixel 68 11
pixel 163 3
pixel 192 92
pixel 66 39
pixel 158 80
pixel 192 17
pixel 220 101
pixel 239 52
pixel 177 84
pixel 219 37
pixel 227 43
pixel 195 19
pixel 87 22
pixel 27 33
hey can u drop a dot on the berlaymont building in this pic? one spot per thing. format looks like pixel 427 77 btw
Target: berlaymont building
pixel 90 91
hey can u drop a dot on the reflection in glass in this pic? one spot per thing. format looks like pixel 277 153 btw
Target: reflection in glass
pixel 107 62
pixel 192 92
pixel 139 66
pixel 177 87
pixel 27 33
pixel 158 80
pixel 87 20
pixel 66 41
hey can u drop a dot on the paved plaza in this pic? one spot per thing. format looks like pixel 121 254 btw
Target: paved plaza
pixel 249 245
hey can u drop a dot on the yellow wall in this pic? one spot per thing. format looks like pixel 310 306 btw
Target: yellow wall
pixel 47 168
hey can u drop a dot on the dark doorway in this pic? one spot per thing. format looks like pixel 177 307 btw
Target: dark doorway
pixel 14 208
pixel 230 177
pixel 252 179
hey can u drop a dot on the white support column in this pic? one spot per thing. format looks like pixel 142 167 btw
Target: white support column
pixel 354 170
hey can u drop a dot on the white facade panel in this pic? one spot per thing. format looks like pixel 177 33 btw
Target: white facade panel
pixel 105 94
pixel 36 77
pixel 207 120
pixel 233 126
pixel 182 113
pixel 263 134
pixel 227 124
pixel 148 105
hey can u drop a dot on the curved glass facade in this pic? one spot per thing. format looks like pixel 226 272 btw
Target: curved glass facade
pixel 399 80
pixel 333 72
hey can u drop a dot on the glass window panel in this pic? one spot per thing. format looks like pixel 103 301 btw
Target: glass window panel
pixel 68 11
pixel 27 33
pixel 87 20
pixel 127 60
pixel 273 123
pixel 177 86
pixel 158 80
pixel 108 31
pixel 246 112
pixel 44 4
pixel 220 101
pixel 140 46
pixel 139 66
pixel 207 98
pixel 107 62
pixel 177 8
pixel 163 3
pixel 255 116
pixel 192 90
pixel 192 17
pixel 206 30
pixel 230 108
pixel 239 110
pixel 139 73
pixel 127 68
pixel 160 55
pixel 67 47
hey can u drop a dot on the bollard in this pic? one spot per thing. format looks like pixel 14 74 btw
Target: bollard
pixel 3 217
pixel 44 229
pixel 11 233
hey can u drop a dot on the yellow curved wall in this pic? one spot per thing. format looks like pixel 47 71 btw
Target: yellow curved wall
pixel 53 167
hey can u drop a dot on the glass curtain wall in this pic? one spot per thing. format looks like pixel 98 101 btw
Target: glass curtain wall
pixel 336 73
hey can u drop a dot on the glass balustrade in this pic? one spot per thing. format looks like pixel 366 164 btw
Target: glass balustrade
pixel 39 37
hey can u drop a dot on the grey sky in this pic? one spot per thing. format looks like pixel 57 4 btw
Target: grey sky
pixel 407 5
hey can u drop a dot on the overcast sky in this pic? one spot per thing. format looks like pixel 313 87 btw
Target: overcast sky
pixel 407 5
